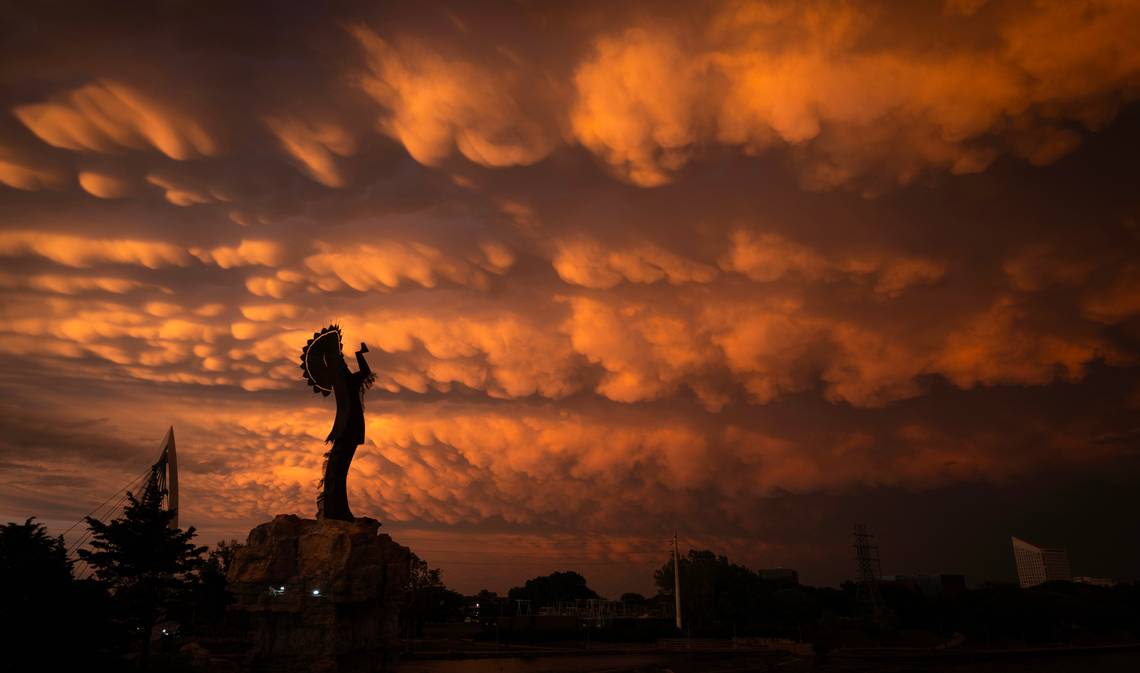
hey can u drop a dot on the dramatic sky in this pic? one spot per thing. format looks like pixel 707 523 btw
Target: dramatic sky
pixel 751 270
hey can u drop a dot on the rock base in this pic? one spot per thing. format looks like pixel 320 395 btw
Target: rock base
pixel 321 595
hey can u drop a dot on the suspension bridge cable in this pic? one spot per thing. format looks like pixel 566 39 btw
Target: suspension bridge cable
pixel 117 506
pixel 125 491
pixel 129 484
pixel 79 543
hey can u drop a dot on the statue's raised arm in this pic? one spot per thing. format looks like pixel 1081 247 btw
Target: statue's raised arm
pixel 363 371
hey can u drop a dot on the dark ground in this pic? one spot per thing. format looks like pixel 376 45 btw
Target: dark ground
pixel 671 662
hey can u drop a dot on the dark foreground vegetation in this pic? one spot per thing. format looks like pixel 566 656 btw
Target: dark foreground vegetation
pixel 721 599
pixel 145 596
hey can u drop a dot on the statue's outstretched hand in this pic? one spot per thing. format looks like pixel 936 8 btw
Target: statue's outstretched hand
pixel 363 347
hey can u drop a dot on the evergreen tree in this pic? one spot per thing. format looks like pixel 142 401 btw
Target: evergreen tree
pixel 41 604
pixel 36 575
pixel 31 561
pixel 144 561
pixel 209 590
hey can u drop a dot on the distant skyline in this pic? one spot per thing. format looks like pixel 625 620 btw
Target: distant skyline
pixel 753 271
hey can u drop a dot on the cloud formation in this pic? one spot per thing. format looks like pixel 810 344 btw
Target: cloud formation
pixel 434 104
pixel 109 116
pixel 613 267
pixel 841 84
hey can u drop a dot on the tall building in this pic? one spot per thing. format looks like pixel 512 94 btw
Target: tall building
pixel 1037 565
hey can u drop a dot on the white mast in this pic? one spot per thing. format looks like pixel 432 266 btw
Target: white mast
pixel 171 475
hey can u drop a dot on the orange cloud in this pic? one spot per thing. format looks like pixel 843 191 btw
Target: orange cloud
pixel 1001 345
pixel 587 263
pixel 109 116
pixel 20 174
pixel 103 185
pixel 278 285
pixel 390 264
pixel 757 75
pixel 247 253
pixel 60 284
pixel 435 105
pixel 767 257
pixel 78 251
pixel 180 193
pixel 315 147
pixel 646 352
pixel 559 353
pixel 1119 300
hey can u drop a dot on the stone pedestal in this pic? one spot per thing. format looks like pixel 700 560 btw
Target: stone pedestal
pixel 321 595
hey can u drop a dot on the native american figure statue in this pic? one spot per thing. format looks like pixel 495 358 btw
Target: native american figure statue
pixel 322 362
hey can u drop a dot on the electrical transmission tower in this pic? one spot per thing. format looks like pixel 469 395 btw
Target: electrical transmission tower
pixel 867 560
pixel 676 582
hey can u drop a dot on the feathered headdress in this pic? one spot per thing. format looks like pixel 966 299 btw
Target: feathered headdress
pixel 319 357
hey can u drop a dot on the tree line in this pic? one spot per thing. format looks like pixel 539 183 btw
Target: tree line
pixel 144 574
pixel 723 599
pixel 150 583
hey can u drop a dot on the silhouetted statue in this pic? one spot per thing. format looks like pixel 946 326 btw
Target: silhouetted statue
pixel 322 361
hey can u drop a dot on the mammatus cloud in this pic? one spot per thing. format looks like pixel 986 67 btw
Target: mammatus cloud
pixel 110 116
pixel 315 147
pixel 103 185
pixel 246 253
pixel 20 174
pixel 388 265
pixel 587 263
pixel 181 193
pixel 767 257
pixel 600 286
pixel 434 104
pixel 844 88
pixel 707 337
pixel 812 76
pixel 80 251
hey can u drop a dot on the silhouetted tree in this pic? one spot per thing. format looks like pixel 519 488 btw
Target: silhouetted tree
pixel 208 592
pixel 41 602
pixel 550 589
pixel 421 576
pixel 723 598
pixel 714 592
pixel 35 574
pixel 429 600
pixel 144 561
pixel 31 562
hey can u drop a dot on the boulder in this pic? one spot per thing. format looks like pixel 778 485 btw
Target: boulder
pixel 320 594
